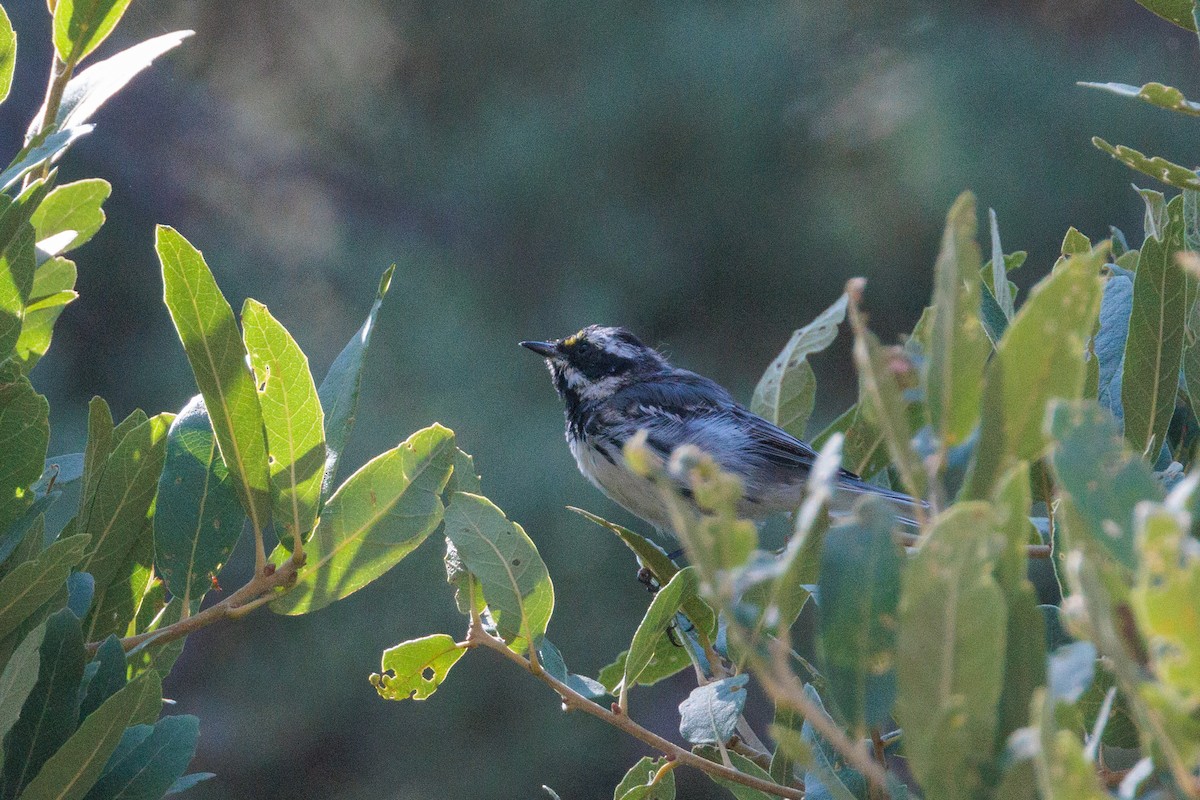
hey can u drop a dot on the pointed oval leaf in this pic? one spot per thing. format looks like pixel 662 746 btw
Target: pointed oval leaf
pixel 514 578
pixel 787 390
pixel 197 518
pixel 951 653
pixel 29 585
pixel 293 419
pixel 81 25
pixel 19 677
pixel 124 493
pixel 859 589
pixel 377 517
pixel 205 323
pixel 77 765
pixel 416 668
pixel 667 601
pixel 958 348
pixel 1154 347
pixel 8 54
pixel 25 431
pixel 339 391
pixel 148 769
pixel 72 207
pixel 1176 11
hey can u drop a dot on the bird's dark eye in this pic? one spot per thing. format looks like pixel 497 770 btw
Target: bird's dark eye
pixel 583 347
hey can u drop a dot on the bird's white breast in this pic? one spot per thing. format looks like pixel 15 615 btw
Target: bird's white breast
pixel 636 494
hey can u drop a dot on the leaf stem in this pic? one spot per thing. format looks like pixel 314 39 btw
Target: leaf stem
pixel 572 700
pixel 60 75
pixel 258 591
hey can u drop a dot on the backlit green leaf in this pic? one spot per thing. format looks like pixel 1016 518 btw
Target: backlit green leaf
pixel 70 772
pixel 25 431
pixel 81 25
pixel 124 491
pixel 18 260
pixel 659 616
pixel 507 563
pixel 1155 94
pixel 339 391
pixel 197 518
pixel 120 600
pixel 951 653
pixel 293 418
pixel 8 54
pixel 1150 375
pixel 647 780
pixel 859 590
pixel 787 390
pixel 72 207
pixel 18 679
pixel 206 327
pixel 414 669
pixel 667 660
pixel 377 517
pixel 1176 11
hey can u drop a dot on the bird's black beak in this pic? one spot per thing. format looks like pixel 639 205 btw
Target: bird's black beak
pixel 543 349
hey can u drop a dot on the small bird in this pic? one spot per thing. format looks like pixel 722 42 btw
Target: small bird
pixel 614 386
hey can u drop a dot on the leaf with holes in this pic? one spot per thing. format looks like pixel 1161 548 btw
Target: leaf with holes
pixel 1154 166
pixel 376 518
pixel 510 570
pixel 416 668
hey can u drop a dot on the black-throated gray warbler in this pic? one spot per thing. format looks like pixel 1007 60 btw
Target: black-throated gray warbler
pixel 614 386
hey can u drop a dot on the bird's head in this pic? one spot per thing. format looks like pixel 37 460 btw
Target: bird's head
pixel 597 361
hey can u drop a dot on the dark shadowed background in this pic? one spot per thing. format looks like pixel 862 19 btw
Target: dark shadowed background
pixel 707 173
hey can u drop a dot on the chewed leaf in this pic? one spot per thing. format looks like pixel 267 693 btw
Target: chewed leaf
pixel 1156 94
pixel 1154 166
pixel 414 669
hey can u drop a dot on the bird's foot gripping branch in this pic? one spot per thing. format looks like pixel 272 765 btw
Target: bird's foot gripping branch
pixel 931 645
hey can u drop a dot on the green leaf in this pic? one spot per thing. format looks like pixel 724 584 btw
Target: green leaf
pixel 1155 94
pixel 109 677
pixel 293 418
pixel 81 25
pixel 91 88
pixel 119 602
pixel 148 760
pixel 464 478
pixel 416 668
pixel 1062 769
pixel 1176 11
pixel 98 448
pixel 206 327
pixel 25 431
pixel 79 762
pixel 859 590
pixel 29 585
pixel 1041 357
pixel 1109 342
pixel 42 148
pixel 18 679
pixel 37 329
pixel 667 660
pixel 1164 602
pixel 653 627
pixel 1102 478
pixel 787 390
pixel 1154 347
pixel 951 653
pixel 339 391
pixel 552 661
pixel 999 286
pixel 1075 243
pixel 18 261
pixel 882 404
pixel 647 780
pixel 197 518
pixel 72 207
pixel 51 712
pixel 377 517
pixel 710 713
pixel 959 348
pixel 823 779
pixel 8 54
pixel 124 493
pixel 744 766
pixel 1025 637
pixel 507 563
pixel 1156 166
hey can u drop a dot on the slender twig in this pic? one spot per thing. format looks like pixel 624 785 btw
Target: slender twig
pixel 572 700
pixel 258 590
pixel 1031 550
pixel 60 76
